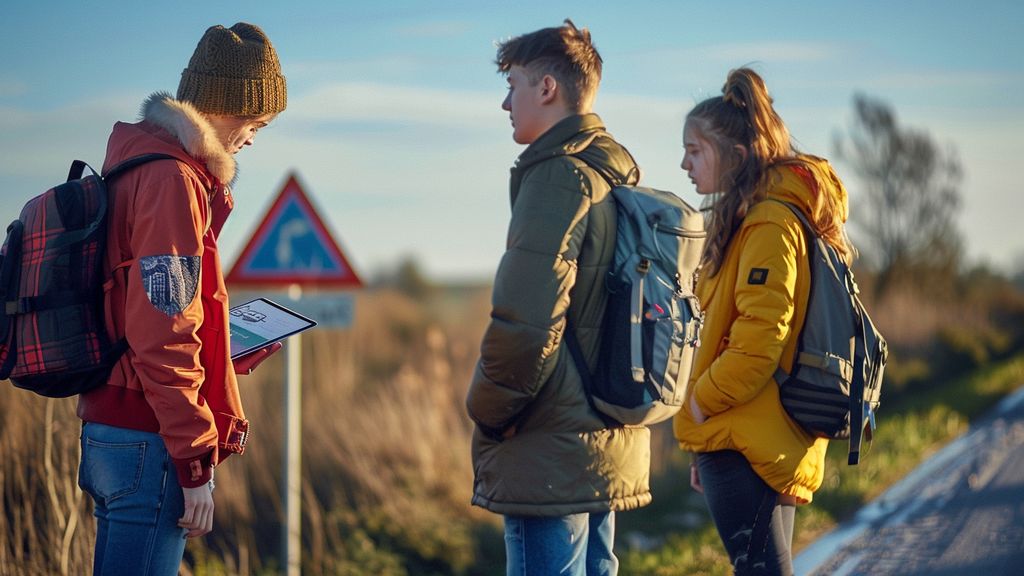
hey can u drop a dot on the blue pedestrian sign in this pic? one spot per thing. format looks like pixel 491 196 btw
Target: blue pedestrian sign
pixel 293 246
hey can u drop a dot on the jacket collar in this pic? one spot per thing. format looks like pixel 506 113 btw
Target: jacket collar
pixel 570 135
pixel 193 130
pixel 802 180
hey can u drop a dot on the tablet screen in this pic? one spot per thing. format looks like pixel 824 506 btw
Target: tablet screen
pixel 259 323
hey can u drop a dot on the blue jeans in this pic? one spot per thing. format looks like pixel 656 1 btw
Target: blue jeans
pixel 757 531
pixel 573 545
pixel 138 501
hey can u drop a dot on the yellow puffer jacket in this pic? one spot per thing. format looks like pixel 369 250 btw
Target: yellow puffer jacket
pixel 755 308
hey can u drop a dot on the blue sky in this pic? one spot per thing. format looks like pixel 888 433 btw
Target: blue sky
pixel 394 126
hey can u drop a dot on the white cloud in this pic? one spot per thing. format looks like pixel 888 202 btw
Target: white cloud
pixel 739 53
pixel 966 79
pixel 34 141
pixel 374 102
pixel 400 169
pixel 10 87
pixel 433 30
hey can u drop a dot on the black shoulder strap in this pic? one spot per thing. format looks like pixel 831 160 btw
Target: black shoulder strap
pixel 781 376
pixel 570 340
pixel 588 379
pixel 78 166
pixel 133 162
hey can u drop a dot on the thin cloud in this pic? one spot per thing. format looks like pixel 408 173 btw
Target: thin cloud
pixel 438 29
pixel 959 80
pixel 393 65
pixel 779 52
pixel 388 103
pixel 10 88
pixel 733 54
pixel 78 130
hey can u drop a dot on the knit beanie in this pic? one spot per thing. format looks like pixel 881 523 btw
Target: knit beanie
pixel 234 72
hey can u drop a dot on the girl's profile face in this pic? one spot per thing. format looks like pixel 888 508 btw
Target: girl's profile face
pixel 236 132
pixel 700 161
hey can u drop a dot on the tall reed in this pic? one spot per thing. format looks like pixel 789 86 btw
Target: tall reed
pixel 385 457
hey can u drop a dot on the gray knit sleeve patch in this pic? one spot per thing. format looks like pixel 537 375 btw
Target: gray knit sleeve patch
pixel 170 281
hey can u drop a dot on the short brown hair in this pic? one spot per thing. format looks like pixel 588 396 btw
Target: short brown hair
pixel 565 52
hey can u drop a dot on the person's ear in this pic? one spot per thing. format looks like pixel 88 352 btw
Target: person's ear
pixel 548 89
pixel 740 151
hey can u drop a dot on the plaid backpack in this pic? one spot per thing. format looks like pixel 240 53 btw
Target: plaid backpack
pixel 52 336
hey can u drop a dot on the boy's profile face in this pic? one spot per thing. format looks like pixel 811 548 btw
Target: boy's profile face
pixel 525 105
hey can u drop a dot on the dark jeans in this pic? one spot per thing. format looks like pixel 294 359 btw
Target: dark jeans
pixel 757 531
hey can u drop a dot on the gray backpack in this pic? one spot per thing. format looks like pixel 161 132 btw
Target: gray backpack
pixel 836 382
pixel 652 320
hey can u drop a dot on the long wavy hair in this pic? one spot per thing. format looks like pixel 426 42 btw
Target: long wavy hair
pixel 743 116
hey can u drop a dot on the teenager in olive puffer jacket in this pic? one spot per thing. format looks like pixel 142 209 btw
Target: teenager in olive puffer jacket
pixel 541 456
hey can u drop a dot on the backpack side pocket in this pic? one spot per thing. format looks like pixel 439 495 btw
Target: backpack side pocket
pixel 10 264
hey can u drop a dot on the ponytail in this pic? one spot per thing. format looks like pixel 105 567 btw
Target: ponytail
pixel 769 138
pixel 744 115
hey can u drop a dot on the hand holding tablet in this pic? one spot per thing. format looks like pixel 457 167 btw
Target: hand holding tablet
pixel 257 328
pixel 244 365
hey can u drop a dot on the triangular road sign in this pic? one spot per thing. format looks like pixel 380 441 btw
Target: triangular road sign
pixel 293 246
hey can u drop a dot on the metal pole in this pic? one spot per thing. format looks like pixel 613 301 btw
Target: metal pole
pixel 293 457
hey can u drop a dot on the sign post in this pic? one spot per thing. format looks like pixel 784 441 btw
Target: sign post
pixel 293 458
pixel 293 248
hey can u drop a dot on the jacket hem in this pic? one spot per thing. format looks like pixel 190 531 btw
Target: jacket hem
pixel 562 509
pixel 118 406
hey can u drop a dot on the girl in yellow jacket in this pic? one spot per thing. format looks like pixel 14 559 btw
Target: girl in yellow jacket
pixel 752 463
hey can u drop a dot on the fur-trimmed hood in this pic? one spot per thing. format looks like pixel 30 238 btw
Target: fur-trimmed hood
pixel 194 132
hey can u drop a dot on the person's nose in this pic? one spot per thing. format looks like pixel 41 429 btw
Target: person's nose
pixel 506 104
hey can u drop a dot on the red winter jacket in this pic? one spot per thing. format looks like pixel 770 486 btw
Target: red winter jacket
pixel 167 295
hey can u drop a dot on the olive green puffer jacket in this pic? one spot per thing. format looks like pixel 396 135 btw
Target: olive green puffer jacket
pixel 539 449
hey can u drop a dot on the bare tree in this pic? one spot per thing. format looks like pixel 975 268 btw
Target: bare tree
pixel 1017 270
pixel 909 195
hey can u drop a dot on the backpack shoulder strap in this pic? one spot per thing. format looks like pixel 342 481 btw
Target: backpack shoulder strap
pixel 808 228
pixel 133 162
pixel 781 375
pixel 119 170
pixel 585 375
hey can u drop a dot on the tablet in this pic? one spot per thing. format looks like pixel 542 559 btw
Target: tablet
pixel 259 323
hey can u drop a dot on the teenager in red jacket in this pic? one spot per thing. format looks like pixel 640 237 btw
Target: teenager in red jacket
pixel 170 411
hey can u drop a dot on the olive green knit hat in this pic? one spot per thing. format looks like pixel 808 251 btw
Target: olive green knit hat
pixel 234 72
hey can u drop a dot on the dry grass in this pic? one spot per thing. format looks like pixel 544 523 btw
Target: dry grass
pixel 386 471
pixel 46 519
pixel 385 448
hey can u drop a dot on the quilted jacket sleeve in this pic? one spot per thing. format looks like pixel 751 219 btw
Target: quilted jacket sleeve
pixel 531 294
pixel 764 300
pixel 164 312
